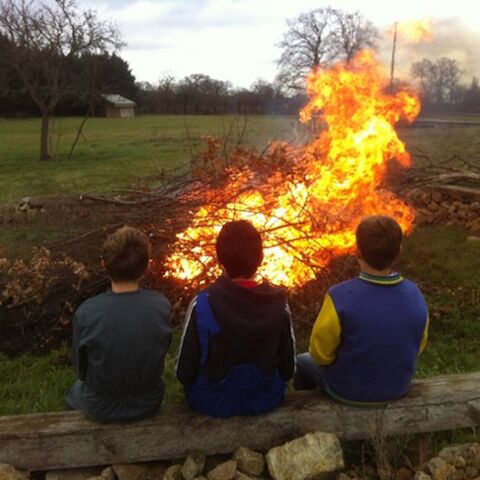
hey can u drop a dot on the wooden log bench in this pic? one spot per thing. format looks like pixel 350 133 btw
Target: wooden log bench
pixel 68 440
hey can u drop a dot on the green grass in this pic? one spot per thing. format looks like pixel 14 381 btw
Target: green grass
pixel 441 260
pixel 120 153
pixel 34 384
pixel 446 265
pixel 442 143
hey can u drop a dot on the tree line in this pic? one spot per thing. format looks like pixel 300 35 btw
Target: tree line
pixel 57 59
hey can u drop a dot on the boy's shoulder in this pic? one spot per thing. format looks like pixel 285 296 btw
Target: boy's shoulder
pixel 358 283
pixel 102 300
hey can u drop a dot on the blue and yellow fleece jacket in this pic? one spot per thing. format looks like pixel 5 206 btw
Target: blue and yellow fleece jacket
pixel 368 335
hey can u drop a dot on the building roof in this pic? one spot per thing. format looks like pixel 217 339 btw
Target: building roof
pixel 118 100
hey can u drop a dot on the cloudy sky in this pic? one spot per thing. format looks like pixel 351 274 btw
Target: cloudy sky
pixel 236 40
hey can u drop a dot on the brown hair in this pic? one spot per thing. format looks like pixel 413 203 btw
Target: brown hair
pixel 379 240
pixel 239 249
pixel 126 253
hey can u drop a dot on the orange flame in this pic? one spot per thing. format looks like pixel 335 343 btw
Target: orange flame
pixel 310 218
pixel 416 30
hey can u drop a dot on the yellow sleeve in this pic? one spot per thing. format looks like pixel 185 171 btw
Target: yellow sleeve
pixel 423 343
pixel 326 333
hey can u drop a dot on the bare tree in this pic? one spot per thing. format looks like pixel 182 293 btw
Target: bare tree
pixel 439 79
pixel 308 44
pixel 43 39
pixel 316 38
pixel 353 33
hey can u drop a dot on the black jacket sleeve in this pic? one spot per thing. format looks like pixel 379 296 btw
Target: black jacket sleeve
pixel 188 360
pixel 287 349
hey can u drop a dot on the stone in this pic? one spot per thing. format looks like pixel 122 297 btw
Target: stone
pixel 441 470
pixel 242 476
pixel 139 471
pixel 224 471
pixel 7 472
pixel 73 474
pixel 457 461
pixel 106 474
pixel 173 473
pixel 250 462
pixel 471 472
pixel 193 466
pixel 473 238
pixel 422 476
pixel 305 457
pixel 459 474
pixel 404 473
pixel 213 461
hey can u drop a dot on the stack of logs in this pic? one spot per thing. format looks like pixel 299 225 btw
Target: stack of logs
pixel 448 205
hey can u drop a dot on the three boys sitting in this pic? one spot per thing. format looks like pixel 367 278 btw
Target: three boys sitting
pixel 238 349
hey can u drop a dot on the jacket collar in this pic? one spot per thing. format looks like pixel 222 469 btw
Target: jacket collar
pixel 391 279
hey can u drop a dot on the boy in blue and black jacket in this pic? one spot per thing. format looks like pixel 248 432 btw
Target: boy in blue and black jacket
pixel 370 330
pixel 237 349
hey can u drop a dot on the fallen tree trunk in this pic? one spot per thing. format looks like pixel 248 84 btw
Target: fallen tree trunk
pixel 67 440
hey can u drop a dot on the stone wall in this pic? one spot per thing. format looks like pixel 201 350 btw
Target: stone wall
pixel 448 205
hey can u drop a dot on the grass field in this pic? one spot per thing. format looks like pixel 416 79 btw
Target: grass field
pixel 121 153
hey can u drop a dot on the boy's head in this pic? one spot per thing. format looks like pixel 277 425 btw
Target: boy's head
pixel 126 253
pixel 239 249
pixel 379 241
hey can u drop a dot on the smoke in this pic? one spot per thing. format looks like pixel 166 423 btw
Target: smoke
pixel 452 38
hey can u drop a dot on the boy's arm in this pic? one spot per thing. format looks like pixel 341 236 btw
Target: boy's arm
pixel 188 359
pixel 423 343
pixel 326 333
pixel 287 353
pixel 79 350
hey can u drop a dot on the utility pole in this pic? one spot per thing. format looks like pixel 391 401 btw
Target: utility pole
pixel 394 48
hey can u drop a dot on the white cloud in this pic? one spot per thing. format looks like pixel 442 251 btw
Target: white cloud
pixel 236 39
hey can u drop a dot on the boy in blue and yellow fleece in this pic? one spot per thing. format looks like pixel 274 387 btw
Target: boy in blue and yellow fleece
pixel 370 330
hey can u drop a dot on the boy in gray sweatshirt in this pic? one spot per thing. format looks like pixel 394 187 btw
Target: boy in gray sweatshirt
pixel 120 338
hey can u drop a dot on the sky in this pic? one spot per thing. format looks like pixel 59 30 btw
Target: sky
pixel 237 40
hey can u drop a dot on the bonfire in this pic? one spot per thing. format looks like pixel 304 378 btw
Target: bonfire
pixel 307 211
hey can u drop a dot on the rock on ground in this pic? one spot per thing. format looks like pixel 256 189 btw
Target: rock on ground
pixel 306 457
pixel 106 474
pixel 193 466
pixel 173 473
pixel 224 471
pixel 441 470
pixel 7 472
pixel 248 461
pixel 152 471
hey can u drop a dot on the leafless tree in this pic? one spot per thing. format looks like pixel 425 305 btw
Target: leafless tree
pixel 42 39
pixel 439 79
pixel 317 38
pixel 353 33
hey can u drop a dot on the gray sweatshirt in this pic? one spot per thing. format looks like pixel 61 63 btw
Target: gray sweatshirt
pixel 119 342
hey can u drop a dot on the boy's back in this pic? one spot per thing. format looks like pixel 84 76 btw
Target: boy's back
pixel 382 324
pixel 237 350
pixel 120 338
pixel 254 327
pixel 370 330
pixel 120 341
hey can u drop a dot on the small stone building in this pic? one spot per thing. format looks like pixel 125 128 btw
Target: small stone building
pixel 118 106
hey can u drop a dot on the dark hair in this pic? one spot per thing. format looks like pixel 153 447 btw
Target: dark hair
pixel 379 240
pixel 239 249
pixel 126 253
